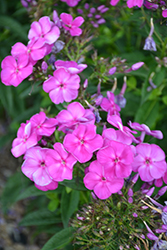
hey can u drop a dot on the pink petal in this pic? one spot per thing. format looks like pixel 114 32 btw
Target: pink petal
pixel 78 21
pixel 53 35
pixel 41 178
pixel 66 18
pixel 35 30
pixel 74 31
pixel 45 24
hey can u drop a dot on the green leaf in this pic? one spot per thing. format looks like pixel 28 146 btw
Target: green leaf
pixel 13 25
pixel 33 191
pixel 69 203
pixel 40 217
pixel 60 239
pixel 73 184
pixel 13 188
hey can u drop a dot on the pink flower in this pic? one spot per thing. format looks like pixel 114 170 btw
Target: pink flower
pixel 62 86
pixel 44 31
pixel 149 162
pixel 35 167
pixel 15 71
pixel 26 138
pixel 43 125
pixel 71 66
pixel 117 159
pixel 134 67
pixel 72 25
pixel 51 186
pixel 109 105
pixel 32 52
pixel 144 128
pixel 83 142
pixel 116 121
pixel 99 179
pixel 164 13
pixel 114 2
pixel 61 164
pixel 111 134
pixel 71 3
pixel 132 3
pixel 74 115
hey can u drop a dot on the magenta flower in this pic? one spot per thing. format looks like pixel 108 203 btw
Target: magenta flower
pixel 72 25
pixel 164 13
pixel 44 31
pixel 75 114
pixel 71 3
pixel 62 86
pixel 35 166
pixel 145 129
pixel 61 163
pixel 83 142
pixel 99 179
pixel 109 105
pixel 149 162
pixel 132 3
pixel 15 71
pixel 31 52
pixel 26 138
pixel 111 134
pixel 71 66
pixel 117 158
pixel 114 2
pixel 43 125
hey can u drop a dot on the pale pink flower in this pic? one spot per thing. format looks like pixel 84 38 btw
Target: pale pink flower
pixel 75 114
pixel 134 67
pixel 71 3
pixel 117 159
pixel 83 142
pixel 72 25
pixel 43 125
pixel 108 104
pixel 26 138
pixel 71 66
pixel 61 163
pixel 35 166
pixel 15 71
pixel 99 179
pixel 62 86
pixel 149 162
pixel 44 31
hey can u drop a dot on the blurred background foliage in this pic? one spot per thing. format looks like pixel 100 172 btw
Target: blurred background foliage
pixel 123 35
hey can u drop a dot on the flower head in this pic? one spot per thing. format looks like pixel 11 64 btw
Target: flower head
pixel 72 25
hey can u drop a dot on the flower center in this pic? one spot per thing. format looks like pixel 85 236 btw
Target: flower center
pixel 116 160
pixel 42 164
pixel 103 178
pixel 147 161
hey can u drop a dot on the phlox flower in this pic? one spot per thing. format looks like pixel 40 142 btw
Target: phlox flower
pixel 42 125
pixel 111 134
pixel 116 121
pixel 145 129
pixel 117 158
pixel 109 105
pixel 164 13
pixel 26 138
pixel 15 71
pixel 101 182
pixel 35 167
pixel 72 25
pixel 132 3
pixel 44 31
pixel 60 165
pixel 114 2
pixel 73 116
pixel 31 52
pixel 62 86
pixel 83 142
pixel 71 66
pixel 71 3
pixel 149 162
